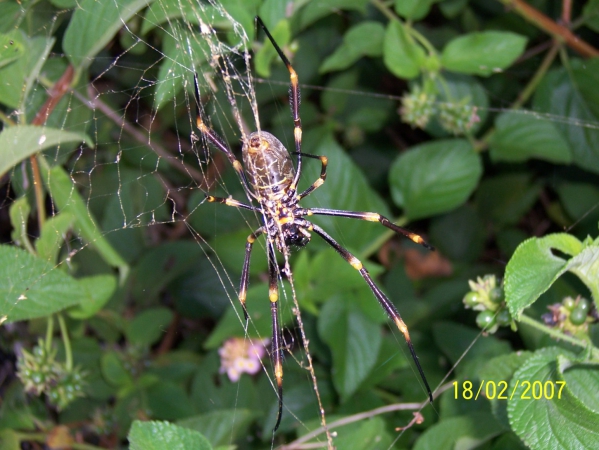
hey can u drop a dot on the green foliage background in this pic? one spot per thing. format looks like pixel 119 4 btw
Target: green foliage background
pixel 113 240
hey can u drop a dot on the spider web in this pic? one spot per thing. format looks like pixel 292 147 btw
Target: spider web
pixel 144 181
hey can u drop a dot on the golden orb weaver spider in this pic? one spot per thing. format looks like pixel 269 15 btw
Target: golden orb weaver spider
pixel 271 180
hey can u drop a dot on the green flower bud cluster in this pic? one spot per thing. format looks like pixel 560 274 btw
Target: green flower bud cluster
pixel 418 106
pixel 457 118
pixel 41 373
pixel 487 296
pixel 572 316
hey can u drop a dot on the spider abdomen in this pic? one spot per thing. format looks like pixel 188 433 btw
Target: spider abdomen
pixel 268 165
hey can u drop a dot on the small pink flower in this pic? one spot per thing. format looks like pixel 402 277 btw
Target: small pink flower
pixel 239 355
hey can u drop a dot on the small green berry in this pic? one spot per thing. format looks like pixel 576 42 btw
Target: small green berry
pixel 496 295
pixel 578 316
pixel 583 305
pixel 485 319
pixel 471 299
pixel 504 317
pixel 569 303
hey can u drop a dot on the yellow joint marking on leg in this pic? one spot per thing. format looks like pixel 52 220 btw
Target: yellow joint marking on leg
pixel 372 217
pixel 230 202
pixel 273 295
pixel 200 124
pixel 402 327
pixel 237 166
pixel 355 262
pixel 318 183
pixel 324 160
pixel 310 213
pixel 292 75
pixel 242 296
pixel 251 239
pixel 279 372
pixel 416 238
pixel 297 134
pixel 210 198
pixel 284 220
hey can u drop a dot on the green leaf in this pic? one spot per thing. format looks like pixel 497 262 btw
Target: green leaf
pixel 12 47
pixel 462 432
pixel 148 326
pixel 282 34
pixel 174 70
pixel 22 141
pixel 413 9
pixel 343 176
pixel 67 198
pixel 114 371
pixel 9 440
pixel 354 340
pixel 533 268
pixel 586 266
pixel 221 427
pixel 53 235
pixel 364 39
pixel 169 401
pixel 19 76
pixel 402 56
pixel 435 177
pixel 499 370
pixel 371 434
pixel 504 199
pixel 519 136
pixel 571 423
pixel 19 216
pixel 156 435
pixel 232 324
pixel 93 25
pixel 482 53
pixel 99 290
pixel 559 95
pixel 31 287
pixel 590 14
pixel 313 11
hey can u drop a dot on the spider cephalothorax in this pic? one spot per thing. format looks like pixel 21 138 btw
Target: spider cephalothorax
pixel 271 180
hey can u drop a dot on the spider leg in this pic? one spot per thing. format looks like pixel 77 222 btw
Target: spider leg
pixel 245 272
pixel 294 102
pixel 276 349
pixel 323 174
pixel 231 202
pixel 371 217
pixel 389 307
pixel 218 142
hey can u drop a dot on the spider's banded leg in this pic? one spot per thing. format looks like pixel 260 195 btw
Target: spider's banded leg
pixel 323 174
pixel 389 307
pixel 245 272
pixel 276 349
pixel 218 142
pixel 294 103
pixel 231 202
pixel 371 217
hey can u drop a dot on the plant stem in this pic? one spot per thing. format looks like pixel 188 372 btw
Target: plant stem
pixel 559 32
pixel 49 332
pixel 66 341
pixel 528 90
pixel 556 334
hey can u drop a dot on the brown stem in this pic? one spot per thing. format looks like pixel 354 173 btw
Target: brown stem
pixel 54 96
pixel 546 24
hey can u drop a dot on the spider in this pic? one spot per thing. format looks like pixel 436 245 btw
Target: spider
pixel 271 180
